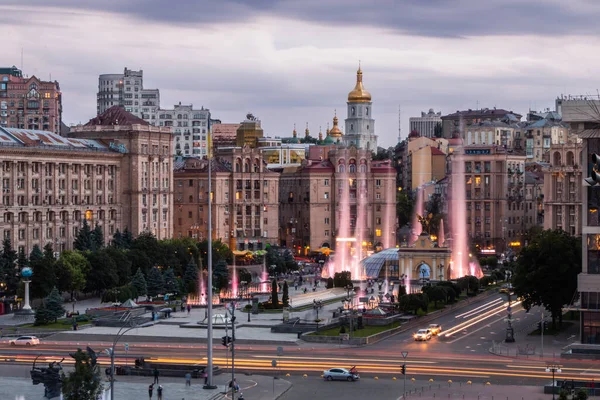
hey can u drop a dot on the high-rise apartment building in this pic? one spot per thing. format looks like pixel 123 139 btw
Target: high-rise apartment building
pixel 29 103
pixel 190 128
pixel 426 123
pixel 126 90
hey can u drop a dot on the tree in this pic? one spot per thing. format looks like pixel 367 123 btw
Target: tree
pixel 285 297
pixel 102 273
pixel 289 261
pixel 36 254
pixel 71 270
pixel 274 296
pixel 42 316
pixel 220 274
pixel 123 263
pixel 434 207
pixel 155 282
pixel 438 131
pixel 404 207
pixel 84 382
pixel 139 283
pixel 546 272
pixel 342 279
pixel 22 260
pixel 220 251
pixel 436 293
pixel 97 238
pixel 9 268
pixel 44 272
pixel 190 277
pixel 84 240
pixel 171 284
pixel 329 283
pixel 54 304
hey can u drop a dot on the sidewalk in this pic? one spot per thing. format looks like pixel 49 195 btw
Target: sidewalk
pixel 445 390
pixel 255 387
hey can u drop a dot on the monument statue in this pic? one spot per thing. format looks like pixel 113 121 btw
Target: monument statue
pixel 50 377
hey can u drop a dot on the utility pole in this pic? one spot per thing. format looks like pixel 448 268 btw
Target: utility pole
pixel 209 283
pixel 542 333
pixel 404 355
pixel 232 311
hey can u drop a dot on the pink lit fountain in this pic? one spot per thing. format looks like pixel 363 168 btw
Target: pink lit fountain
pixel 461 259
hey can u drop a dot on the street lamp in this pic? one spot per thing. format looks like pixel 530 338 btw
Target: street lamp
pixel 510 335
pixel 124 329
pixel 554 368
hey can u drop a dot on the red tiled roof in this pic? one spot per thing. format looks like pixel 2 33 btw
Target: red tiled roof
pixel 116 116
pixel 436 152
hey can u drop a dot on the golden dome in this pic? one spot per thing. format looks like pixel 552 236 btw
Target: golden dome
pixel 335 131
pixel 359 94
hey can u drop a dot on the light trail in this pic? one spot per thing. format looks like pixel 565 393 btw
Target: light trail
pixel 480 308
pixel 473 321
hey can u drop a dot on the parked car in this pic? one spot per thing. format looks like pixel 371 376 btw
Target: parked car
pixel 423 334
pixel 341 374
pixel 25 341
pixel 435 329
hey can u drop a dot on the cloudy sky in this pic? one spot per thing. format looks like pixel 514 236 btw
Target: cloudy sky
pixel 295 61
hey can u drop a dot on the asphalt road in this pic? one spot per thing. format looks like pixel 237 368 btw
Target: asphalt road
pixel 460 353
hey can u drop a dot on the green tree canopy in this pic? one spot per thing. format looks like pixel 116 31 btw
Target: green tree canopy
pixel 139 283
pixel 155 282
pixel 404 207
pixel 54 304
pixel 220 274
pixel 102 273
pixel 190 277
pixel 546 272
pixel 84 382
pixel 83 240
pixel 171 284
pixel 71 270
pixel 285 297
pixel 36 254
pixel 42 315
pixel 8 264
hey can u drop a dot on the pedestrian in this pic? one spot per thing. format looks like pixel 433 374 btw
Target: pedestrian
pixel 205 377
pixel 150 388
pixel 188 379
pixel 189 309
pixel 182 309
pixel 159 392
pixel 156 374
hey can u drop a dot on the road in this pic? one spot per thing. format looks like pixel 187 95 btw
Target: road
pixel 460 353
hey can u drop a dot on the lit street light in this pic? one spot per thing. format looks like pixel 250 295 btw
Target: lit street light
pixel 554 368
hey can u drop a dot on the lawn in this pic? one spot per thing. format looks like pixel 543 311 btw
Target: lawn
pixel 368 330
pixel 63 324
pixel 550 331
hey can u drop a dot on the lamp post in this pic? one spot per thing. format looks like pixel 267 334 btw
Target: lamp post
pixel 510 335
pixel 111 352
pixel 554 368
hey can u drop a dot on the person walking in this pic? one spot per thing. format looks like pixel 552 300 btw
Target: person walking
pixel 159 392
pixel 150 389
pixel 189 309
pixel 205 377
pixel 188 379
pixel 156 374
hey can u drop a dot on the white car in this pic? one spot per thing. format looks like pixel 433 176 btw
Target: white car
pixel 423 334
pixel 25 341
pixel 340 374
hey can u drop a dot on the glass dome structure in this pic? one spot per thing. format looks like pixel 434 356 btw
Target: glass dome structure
pixel 372 265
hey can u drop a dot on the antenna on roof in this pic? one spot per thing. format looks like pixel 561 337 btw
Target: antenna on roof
pixel 21 59
pixel 399 124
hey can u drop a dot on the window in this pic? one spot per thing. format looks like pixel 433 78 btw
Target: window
pixel 378 183
pixel 378 196
pixel 327 233
pixel 378 232
pixel 326 221
pixel 326 195
pixel 326 182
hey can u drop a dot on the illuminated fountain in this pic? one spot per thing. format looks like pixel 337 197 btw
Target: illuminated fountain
pixel 461 259
pixel 416 227
pixel 234 280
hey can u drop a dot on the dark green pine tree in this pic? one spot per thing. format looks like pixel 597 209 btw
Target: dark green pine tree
pixel 127 239
pixel 139 283
pixel 42 315
pixel 22 260
pixel 84 382
pixel 155 282
pixel 36 254
pixel 54 304
pixel 9 258
pixel 97 238
pixel 190 277
pixel 49 252
pixel 84 240
pixel 274 298
pixel 171 284
pixel 285 297
pixel 117 240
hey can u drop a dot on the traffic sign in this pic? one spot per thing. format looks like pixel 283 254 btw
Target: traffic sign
pixel 279 351
pixel 509 308
pixel 274 363
pixel 404 354
pixel 126 346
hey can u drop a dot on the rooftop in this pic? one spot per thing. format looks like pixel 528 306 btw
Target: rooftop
pixel 15 137
pixel 116 116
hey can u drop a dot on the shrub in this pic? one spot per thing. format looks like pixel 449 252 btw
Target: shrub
pixel 342 329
